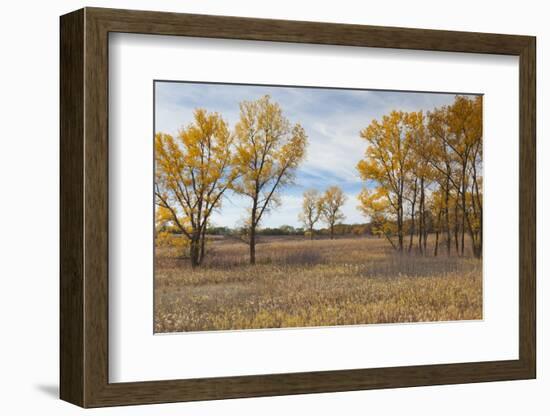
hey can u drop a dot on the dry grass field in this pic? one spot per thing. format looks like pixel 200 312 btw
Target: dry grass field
pixel 302 283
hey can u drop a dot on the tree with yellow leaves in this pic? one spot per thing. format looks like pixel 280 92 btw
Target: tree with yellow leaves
pixel 312 206
pixel 427 171
pixel 269 150
pixel 421 176
pixel 332 202
pixel 458 129
pixel 192 173
pixel 388 161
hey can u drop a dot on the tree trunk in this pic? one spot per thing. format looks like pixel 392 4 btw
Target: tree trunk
pixel 413 206
pixel 463 209
pixel 194 250
pixel 480 242
pixel 456 229
pixel 447 220
pixel 252 244
pixel 480 245
pixel 420 233
pixel 421 217
pixel 473 235
pixel 203 245
pixel 332 231
pixel 400 224
pixel 412 231
pixel 479 211
pixel 253 224
pixel 437 233
pixel 475 250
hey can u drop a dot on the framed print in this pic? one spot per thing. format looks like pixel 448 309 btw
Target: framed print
pixel 256 207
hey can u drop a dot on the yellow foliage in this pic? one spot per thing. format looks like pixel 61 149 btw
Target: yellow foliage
pixel 176 244
pixel 192 172
pixel 331 204
pixel 269 150
pixel 418 161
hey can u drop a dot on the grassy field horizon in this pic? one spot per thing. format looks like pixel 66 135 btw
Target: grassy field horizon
pixel 298 282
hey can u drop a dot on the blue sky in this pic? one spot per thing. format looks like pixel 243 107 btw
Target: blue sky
pixel 332 119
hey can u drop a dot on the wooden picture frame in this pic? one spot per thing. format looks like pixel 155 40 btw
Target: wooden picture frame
pixel 84 207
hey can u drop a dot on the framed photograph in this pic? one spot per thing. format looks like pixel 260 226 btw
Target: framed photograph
pixel 255 207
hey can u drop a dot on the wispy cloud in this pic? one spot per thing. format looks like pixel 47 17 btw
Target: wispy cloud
pixel 332 119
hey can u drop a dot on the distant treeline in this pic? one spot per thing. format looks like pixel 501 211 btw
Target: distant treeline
pixel 364 229
pixel 284 230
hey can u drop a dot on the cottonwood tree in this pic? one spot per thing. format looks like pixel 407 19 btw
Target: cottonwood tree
pixel 444 164
pixel 312 206
pixel 269 149
pixel 457 157
pixel 465 142
pixel 332 202
pixel 192 172
pixel 476 218
pixel 421 177
pixel 460 149
pixel 428 176
pixel 388 162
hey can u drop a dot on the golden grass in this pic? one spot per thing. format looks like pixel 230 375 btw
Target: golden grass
pixel 300 283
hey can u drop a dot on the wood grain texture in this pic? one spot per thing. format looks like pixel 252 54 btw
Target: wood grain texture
pixel 226 27
pixel 84 205
pixel 71 208
pixel 527 207
pixel 96 220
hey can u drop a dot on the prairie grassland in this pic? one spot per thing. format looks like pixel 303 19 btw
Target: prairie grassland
pixel 301 283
